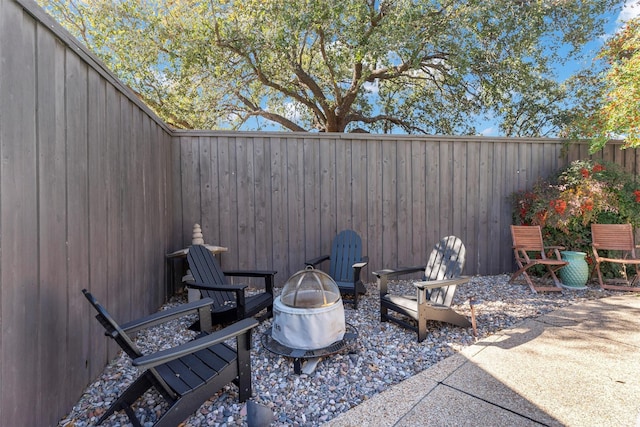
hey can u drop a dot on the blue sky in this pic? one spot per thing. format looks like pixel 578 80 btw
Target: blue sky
pixel 616 20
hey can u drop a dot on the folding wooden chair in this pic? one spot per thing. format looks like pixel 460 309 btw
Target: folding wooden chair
pixel 528 238
pixel 619 238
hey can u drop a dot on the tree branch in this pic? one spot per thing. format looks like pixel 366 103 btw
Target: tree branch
pixel 255 110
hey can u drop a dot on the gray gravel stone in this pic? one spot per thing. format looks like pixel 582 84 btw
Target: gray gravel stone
pixel 384 355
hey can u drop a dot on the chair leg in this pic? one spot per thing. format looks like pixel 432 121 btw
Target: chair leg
pixel 128 398
pixel 422 325
pixel 627 287
pixel 243 343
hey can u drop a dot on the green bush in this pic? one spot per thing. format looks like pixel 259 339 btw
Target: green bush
pixel 585 192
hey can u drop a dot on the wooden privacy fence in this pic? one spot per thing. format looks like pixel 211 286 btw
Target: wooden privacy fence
pixel 277 199
pixel 85 201
pixel 95 190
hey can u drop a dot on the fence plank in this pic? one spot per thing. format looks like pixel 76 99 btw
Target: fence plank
pixel 77 222
pixel 52 222
pixel 97 203
pixel 18 219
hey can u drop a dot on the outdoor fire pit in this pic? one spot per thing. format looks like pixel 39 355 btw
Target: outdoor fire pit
pixel 308 318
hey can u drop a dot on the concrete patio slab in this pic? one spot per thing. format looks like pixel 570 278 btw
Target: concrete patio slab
pixel 577 366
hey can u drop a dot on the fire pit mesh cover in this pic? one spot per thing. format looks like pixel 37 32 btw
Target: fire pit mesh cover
pixel 310 288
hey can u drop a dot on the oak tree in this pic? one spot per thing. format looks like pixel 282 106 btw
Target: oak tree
pixel 411 66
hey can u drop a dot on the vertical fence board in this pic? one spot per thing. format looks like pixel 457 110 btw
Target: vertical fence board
pixel 358 171
pixel 295 168
pixel 312 199
pixel 115 283
pixel 18 219
pixel 389 222
pixel 279 205
pixel 190 178
pixel 471 212
pixel 51 220
pixel 445 182
pixel 327 192
pixel 207 166
pixel 419 199
pixel 401 196
pixel 245 209
pixel 97 188
pixel 375 242
pixel 431 234
pixel 77 222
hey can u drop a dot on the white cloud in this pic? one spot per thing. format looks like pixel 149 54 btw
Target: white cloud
pixel 490 131
pixel 630 10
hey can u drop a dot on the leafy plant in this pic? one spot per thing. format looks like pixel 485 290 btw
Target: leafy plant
pixel 585 192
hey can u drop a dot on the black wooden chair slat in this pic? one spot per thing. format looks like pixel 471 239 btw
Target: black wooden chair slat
pixel 189 378
pixel 204 269
pixel 199 368
pixel 229 305
pixel 434 295
pixel 226 354
pixel 187 375
pixel 345 263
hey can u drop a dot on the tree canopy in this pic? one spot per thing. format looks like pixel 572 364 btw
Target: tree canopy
pixel 413 66
pixel 614 110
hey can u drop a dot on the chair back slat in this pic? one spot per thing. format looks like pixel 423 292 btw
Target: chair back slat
pixel 446 261
pixel 615 237
pixel 112 328
pixel 346 250
pixel 527 238
pixel 205 269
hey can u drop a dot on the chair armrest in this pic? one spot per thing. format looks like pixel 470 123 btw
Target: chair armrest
pixel 363 261
pixel 268 276
pixel 399 271
pixel 433 284
pixel 250 273
pixel 166 315
pixel 223 288
pixel 164 356
pixel 315 261
pixel 384 275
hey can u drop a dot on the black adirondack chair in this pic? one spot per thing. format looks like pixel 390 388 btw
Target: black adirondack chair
pixel 434 294
pixel 229 301
pixel 345 263
pixel 187 375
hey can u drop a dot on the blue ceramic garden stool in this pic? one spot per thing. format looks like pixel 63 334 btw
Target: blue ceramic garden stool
pixel 575 274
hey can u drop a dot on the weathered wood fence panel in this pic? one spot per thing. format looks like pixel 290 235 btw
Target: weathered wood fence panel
pixel 86 201
pixel 278 199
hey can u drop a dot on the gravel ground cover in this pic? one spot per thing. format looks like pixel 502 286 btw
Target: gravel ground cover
pixel 384 355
